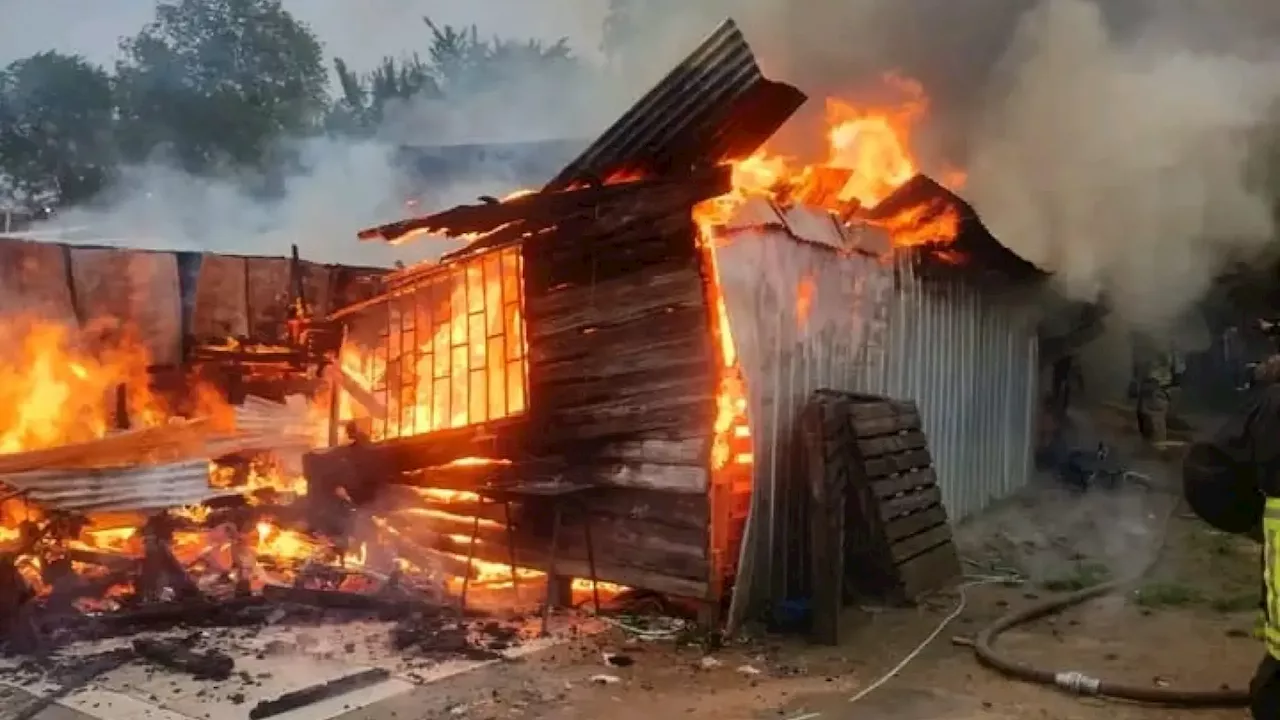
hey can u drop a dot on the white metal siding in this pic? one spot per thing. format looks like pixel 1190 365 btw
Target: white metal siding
pixel 966 357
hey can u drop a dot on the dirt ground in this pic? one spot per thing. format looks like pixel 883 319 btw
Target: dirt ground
pixel 1185 624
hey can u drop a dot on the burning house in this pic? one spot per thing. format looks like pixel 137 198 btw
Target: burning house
pixel 599 390
pixel 636 338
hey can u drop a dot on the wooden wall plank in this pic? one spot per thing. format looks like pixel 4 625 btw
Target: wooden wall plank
pixel 268 295
pixel 139 289
pixel 33 279
pixel 221 308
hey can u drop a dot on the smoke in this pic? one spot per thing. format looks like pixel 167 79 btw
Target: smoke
pixel 1104 141
pixel 1121 160
pixel 345 184
pixel 1107 142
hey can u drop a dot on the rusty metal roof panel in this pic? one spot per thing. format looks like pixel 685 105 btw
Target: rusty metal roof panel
pixel 149 487
pixel 715 105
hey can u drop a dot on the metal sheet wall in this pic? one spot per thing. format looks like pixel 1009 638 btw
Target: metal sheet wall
pixel 969 360
pixel 805 318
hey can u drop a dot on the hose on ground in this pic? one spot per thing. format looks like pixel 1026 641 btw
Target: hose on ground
pixel 1080 683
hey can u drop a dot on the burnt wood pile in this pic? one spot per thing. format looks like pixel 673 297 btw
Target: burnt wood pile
pixel 879 531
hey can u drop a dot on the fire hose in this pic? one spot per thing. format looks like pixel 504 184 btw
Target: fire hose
pixel 1080 683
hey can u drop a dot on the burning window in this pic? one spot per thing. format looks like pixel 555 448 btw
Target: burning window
pixel 452 350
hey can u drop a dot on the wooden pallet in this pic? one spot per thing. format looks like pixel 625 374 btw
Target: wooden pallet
pixel 878 531
pixel 905 539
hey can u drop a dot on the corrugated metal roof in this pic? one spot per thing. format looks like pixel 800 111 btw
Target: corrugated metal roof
pixel 714 106
pixel 147 487
pixel 984 252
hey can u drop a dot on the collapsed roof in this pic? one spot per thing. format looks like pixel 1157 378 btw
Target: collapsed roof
pixel 714 107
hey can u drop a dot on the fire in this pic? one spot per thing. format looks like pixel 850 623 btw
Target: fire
pixel 457 359
pixel 55 390
pixel 869 155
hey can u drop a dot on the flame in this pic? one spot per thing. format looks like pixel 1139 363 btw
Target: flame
pixel 869 156
pixel 464 365
pixel 57 388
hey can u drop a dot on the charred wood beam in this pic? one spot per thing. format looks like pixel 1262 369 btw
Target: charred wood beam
pixel 541 209
pixel 607 569
pixel 316 693
pixel 428 558
pixel 341 600
pixel 178 655
pixel 386 459
pixel 626 552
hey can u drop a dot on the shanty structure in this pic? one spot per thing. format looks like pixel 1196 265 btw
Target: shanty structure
pixel 813 306
pixel 581 336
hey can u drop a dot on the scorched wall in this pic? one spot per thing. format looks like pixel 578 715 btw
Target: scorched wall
pixel 805 317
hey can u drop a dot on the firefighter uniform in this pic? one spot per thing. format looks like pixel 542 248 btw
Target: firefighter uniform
pixel 1232 482
pixel 1153 401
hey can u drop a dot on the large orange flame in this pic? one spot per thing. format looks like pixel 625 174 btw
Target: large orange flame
pixel 869 156
pixel 55 387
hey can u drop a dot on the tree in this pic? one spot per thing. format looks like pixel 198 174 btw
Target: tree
pixel 363 103
pixel 458 64
pixel 56 116
pixel 463 63
pixel 219 81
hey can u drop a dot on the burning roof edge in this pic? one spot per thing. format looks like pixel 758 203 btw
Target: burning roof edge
pixel 982 251
pixel 714 106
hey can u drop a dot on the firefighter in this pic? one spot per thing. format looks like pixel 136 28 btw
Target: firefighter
pixel 1232 482
pixel 1153 400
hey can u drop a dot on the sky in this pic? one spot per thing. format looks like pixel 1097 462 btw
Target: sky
pixel 359 31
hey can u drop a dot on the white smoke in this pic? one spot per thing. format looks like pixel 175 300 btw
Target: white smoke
pixel 347 184
pixel 1105 141
pixel 1123 162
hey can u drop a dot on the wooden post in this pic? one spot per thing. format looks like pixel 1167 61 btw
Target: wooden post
pixel 826 524
pixel 122 407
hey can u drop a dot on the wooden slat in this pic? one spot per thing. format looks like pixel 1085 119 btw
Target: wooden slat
pixel 138 290
pixel 221 308
pixel 890 486
pixel 907 525
pixel 34 276
pixel 904 504
pixel 897 463
pixel 887 425
pixel 918 543
pixel 268 294
pixel 889 444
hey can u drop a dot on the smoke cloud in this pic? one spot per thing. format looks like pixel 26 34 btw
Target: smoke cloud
pixel 346 184
pixel 1108 142
pixel 1121 160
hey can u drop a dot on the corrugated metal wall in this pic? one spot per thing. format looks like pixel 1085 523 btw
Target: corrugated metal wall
pixel 969 360
pixel 805 318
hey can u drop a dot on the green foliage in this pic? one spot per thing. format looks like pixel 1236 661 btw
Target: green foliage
pixel 458 63
pixel 218 81
pixel 217 85
pixel 55 126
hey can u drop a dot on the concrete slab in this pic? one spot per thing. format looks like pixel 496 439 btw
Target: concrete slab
pixel 269 662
